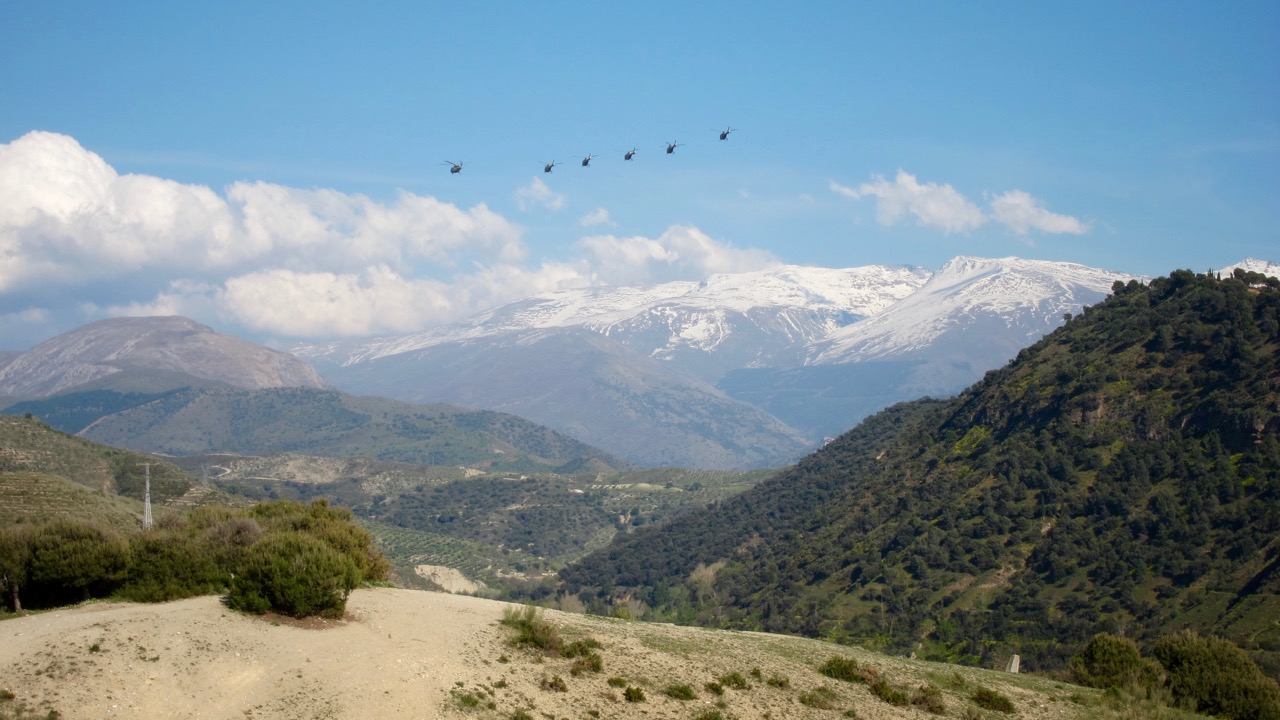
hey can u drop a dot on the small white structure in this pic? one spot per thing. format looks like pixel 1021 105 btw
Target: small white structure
pixel 1014 662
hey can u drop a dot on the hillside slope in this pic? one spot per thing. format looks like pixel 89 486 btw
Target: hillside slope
pixel 324 422
pixel 1121 474
pixel 410 654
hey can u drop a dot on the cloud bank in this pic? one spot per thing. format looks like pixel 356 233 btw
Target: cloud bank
pixel 944 208
pixel 79 241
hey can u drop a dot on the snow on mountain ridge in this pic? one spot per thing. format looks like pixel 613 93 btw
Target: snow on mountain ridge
pixel 1032 293
pixel 1265 267
pixel 691 314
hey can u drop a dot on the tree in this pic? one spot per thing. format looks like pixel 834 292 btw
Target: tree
pixel 15 555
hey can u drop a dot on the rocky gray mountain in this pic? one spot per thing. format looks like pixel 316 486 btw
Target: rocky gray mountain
pixel 149 354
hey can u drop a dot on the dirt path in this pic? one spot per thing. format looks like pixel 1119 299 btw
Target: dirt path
pixel 397 656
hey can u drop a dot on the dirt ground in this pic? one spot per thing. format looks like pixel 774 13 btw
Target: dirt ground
pixel 414 654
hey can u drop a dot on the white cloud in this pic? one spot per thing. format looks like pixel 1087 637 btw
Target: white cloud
pixel 537 194
pixel 68 217
pixel 945 208
pixel 79 242
pixel 680 253
pixel 1022 213
pixel 599 216
pixel 932 205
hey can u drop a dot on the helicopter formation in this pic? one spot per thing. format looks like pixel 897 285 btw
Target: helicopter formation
pixel 456 167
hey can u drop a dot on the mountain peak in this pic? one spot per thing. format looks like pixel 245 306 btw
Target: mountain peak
pixel 1264 267
pixel 155 346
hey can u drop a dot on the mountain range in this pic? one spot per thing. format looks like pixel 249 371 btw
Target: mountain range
pixel 737 371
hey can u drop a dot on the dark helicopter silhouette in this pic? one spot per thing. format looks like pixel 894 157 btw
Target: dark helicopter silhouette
pixel 630 154
pixel 724 134
pixel 586 161
pixel 671 146
pixel 454 168
pixel 548 166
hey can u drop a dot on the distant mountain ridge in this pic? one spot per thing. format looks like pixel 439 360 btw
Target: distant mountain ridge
pixel 784 349
pixel 163 352
pixel 780 310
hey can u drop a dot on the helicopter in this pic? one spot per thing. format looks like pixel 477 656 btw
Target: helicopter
pixel 548 166
pixel 724 134
pixel 630 154
pixel 586 161
pixel 671 146
pixel 454 168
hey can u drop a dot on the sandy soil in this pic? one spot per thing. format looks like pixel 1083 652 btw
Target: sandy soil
pixel 413 654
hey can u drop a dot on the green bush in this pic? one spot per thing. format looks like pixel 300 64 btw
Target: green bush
pixel 1108 661
pixel 633 694
pixel 336 526
pixel 841 668
pixel 822 698
pixel 1215 677
pixel 170 565
pixel 294 574
pixel 929 698
pixel 989 699
pixel 887 692
pixel 735 680
pixel 532 630
pixel 681 691
pixel 69 558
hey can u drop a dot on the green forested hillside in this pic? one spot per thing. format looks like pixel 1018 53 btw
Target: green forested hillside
pixel 1123 474
pixel 196 421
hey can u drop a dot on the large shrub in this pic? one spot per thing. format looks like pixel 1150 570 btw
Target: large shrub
pixel 334 525
pixel 293 573
pixel 69 559
pixel 1108 661
pixel 168 565
pixel 1215 677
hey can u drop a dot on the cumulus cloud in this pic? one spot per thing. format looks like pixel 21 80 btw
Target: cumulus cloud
pixel 945 208
pixel 599 216
pixel 68 217
pixel 537 194
pixel 79 241
pixel 680 253
pixel 931 204
pixel 1022 213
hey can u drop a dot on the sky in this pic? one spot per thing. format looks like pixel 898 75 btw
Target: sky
pixel 281 171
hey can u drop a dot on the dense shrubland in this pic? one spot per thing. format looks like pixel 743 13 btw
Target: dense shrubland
pixel 279 556
pixel 1121 474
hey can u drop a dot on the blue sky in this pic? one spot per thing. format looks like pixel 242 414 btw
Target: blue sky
pixel 274 169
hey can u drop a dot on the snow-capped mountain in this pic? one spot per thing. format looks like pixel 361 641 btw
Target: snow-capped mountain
pixel 1264 267
pixel 679 373
pixel 755 319
pixel 1020 300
